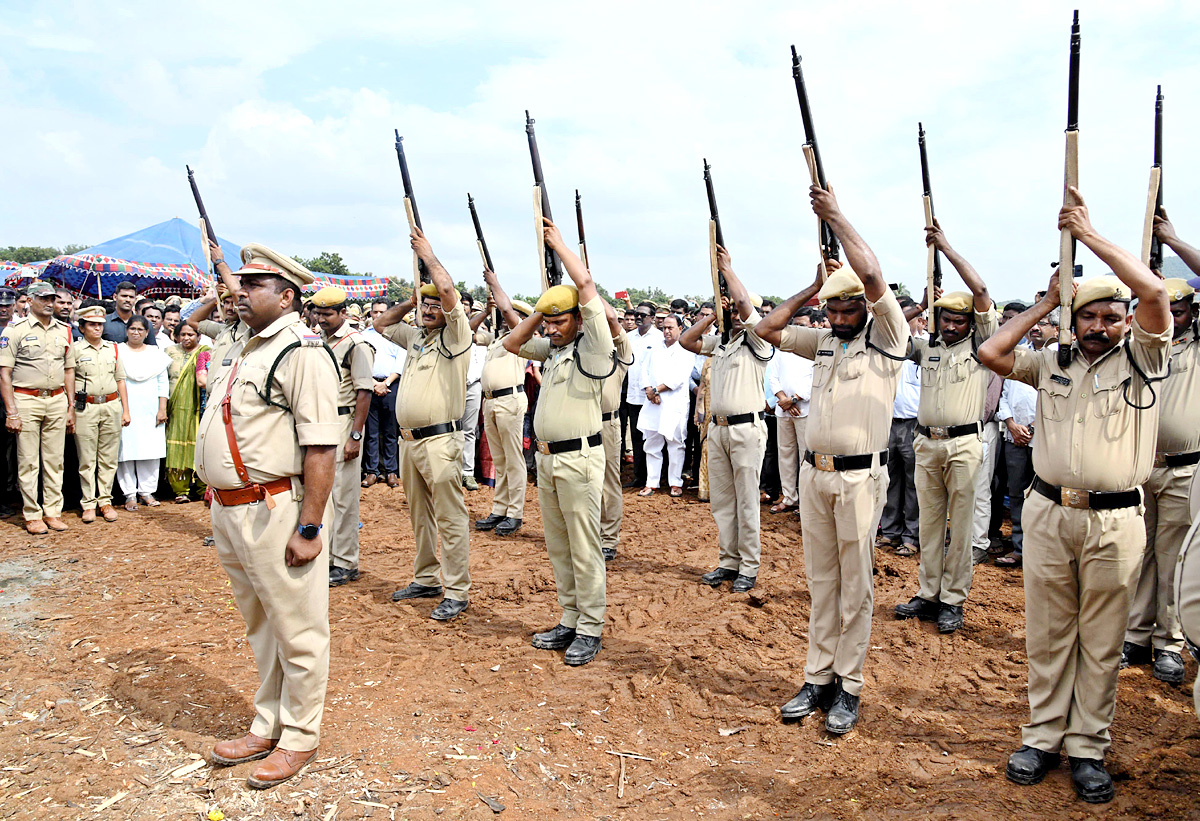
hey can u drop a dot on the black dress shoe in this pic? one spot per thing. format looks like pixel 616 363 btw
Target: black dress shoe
pixel 508 527
pixel 1132 654
pixel 843 715
pixel 918 608
pixel 1168 667
pixel 812 697
pixel 582 650
pixel 417 591
pixel 340 575
pixel 610 553
pixel 743 584
pixel 950 618
pixel 448 609
pixel 714 578
pixel 488 523
pixel 1029 765
pixel 1092 782
pixel 556 638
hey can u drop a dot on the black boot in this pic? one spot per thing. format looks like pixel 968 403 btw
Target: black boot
pixel 488 523
pixel 812 697
pixel 950 618
pixel 1092 782
pixel 843 715
pixel 1168 667
pixel 556 638
pixel 918 608
pixel 1029 765
pixel 714 578
pixel 1132 654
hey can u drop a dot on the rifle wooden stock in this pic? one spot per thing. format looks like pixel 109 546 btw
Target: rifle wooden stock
pixel 1066 252
pixel 541 236
pixel 811 158
pixel 1151 210
pixel 717 280
pixel 579 227
pixel 932 274
pixel 420 275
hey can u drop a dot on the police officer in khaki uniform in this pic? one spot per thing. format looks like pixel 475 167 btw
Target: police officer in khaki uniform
pixel 37 380
pixel 737 434
pixel 577 353
pixel 843 481
pixel 949 442
pixel 266 446
pixel 1084 534
pixel 504 407
pixel 356 361
pixel 1187 588
pixel 100 377
pixel 429 410
pixel 612 503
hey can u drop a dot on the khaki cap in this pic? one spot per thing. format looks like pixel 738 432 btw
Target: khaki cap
pixel 354 309
pixel 259 259
pixel 841 284
pixel 755 299
pixel 956 302
pixel 522 307
pixel 429 289
pixel 92 313
pixel 1178 289
pixel 558 299
pixel 1098 289
pixel 328 297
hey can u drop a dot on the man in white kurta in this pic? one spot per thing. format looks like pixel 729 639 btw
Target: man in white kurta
pixel 663 420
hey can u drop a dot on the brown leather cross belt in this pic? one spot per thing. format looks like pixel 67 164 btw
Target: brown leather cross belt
pixel 253 493
pixel 100 400
pixel 43 392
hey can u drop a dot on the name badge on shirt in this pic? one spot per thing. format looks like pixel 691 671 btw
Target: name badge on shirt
pixel 225 363
pixel 1062 380
pixel 824 353
pixel 935 359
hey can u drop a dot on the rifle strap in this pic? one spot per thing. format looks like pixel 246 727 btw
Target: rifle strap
pixel 582 370
pixel 871 345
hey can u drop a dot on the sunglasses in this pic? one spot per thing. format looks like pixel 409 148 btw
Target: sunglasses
pixel 643 316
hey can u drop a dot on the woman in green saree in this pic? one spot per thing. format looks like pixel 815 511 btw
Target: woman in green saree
pixel 188 376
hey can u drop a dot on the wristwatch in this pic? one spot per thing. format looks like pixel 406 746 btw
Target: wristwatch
pixel 309 532
pixel 356 435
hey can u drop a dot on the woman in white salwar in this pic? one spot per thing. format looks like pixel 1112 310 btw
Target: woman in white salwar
pixel 663 419
pixel 144 442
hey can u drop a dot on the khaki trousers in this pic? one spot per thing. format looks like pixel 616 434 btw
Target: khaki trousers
pixel 840 511
pixel 343 503
pixel 97 443
pixel 431 470
pixel 945 478
pixel 1080 567
pixel 41 442
pixel 503 422
pixel 1152 618
pixel 612 503
pixel 287 616
pixel 735 456
pixel 1187 595
pixel 570 486
pixel 790 439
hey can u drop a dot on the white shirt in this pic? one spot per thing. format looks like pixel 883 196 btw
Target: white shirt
pixel 1018 402
pixel 793 375
pixel 389 357
pixel 908 392
pixel 643 345
pixel 475 369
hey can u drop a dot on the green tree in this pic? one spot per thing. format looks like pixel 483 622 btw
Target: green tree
pixel 326 262
pixel 31 253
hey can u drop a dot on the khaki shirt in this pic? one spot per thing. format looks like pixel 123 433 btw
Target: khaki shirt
pixel 953 380
pixel 501 369
pixel 854 386
pixel 271 439
pixel 1087 436
pixel 38 354
pixel 98 369
pixel 356 361
pixel 738 368
pixel 568 405
pixel 1179 395
pixel 224 338
pixel 433 387
pixel 610 398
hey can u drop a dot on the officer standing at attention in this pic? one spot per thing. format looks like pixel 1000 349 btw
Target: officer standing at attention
pixel 843 481
pixel 8 441
pixel 1084 534
pixel 577 352
pixel 429 411
pixel 355 360
pixel 949 443
pixel 37 367
pixel 100 377
pixel 504 407
pixel 737 434
pixel 612 503
pixel 265 446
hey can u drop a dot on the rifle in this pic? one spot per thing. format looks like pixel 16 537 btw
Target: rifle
pixel 933 266
pixel 420 275
pixel 203 214
pixel 481 243
pixel 579 224
pixel 1067 269
pixel 1152 252
pixel 715 238
pixel 551 266
pixel 826 239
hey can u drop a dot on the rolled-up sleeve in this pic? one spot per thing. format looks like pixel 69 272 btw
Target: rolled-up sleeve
pixel 538 349
pixel 1027 366
pixel 800 341
pixel 889 331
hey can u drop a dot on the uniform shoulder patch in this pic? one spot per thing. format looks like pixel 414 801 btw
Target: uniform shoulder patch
pixel 3 342
pixel 312 341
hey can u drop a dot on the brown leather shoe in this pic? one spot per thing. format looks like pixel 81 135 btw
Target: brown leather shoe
pixel 88 516
pixel 240 750
pixel 280 765
pixel 55 523
pixel 369 480
pixel 109 513
pixel 393 480
pixel 36 527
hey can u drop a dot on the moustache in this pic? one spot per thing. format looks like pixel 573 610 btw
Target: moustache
pixel 1095 337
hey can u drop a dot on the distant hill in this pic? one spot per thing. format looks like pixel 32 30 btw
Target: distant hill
pixel 1174 267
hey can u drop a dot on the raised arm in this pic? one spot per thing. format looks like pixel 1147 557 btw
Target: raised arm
pixel 204 311
pixel 997 352
pixel 395 314
pixel 231 283
pixel 479 317
pixel 578 272
pixel 772 325
pixel 1165 231
pixel 503 303
pixel 522 333
pixel 858 254
pixel 437 272
pixel 690 339
pixel 1153 310
pixel 937 238
pixel 738 295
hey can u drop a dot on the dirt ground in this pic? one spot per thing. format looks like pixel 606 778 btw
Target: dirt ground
pixel 123 658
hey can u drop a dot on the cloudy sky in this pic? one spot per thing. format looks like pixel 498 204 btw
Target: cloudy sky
pixel 286 111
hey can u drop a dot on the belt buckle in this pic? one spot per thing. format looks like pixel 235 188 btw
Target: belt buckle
pixel 543 447
pixel 1077 499
pixel 938 432
pixel 823 461
pixel 722 421
pixel 406 434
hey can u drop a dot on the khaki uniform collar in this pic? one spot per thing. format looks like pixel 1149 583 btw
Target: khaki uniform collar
pixel 287 320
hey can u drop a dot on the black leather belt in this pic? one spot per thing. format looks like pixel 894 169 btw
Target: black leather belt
pixel 345 411
pixel 503 392
pixel 568 445
pixel 412 434
pixel 862 461
pixel 949 431
pixel 737 419
pixel 1176 460
pixel 608 417
pixel 1087 499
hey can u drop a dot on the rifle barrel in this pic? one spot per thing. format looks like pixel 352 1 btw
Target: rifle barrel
pixel 1073 78
pixel 712 203
pixel 550 260
pixel 579 216
pixel 829 241
pixel 924 161
pixel 200 203
pixel 407 180
pixel 487 257
pixel 1156 249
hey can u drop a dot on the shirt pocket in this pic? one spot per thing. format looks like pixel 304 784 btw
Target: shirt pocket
pixel 929 371
pixel 822 370
pixel 1108 395
pixel 1055 400
pixel 248 390
pixel 852 365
